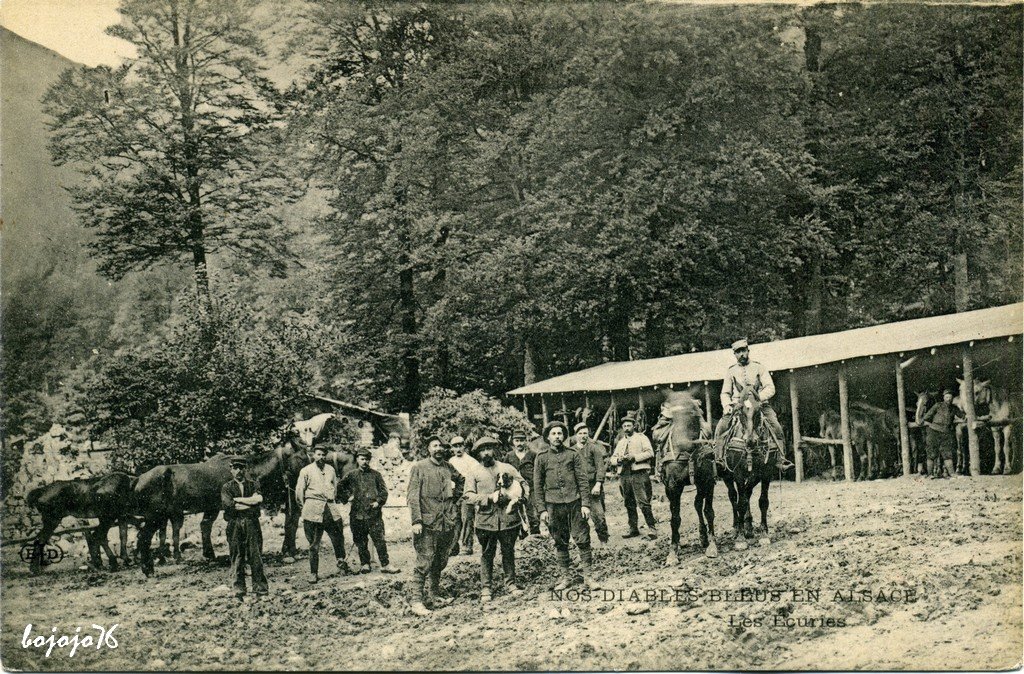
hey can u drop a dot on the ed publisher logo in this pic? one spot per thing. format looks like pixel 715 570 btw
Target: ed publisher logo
pixel 51 553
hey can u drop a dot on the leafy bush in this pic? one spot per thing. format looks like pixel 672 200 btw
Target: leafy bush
pixel 220 381
pixel 446 413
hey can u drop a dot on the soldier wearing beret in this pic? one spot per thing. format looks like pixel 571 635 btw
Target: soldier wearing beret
pixel 241 498
pixel 563 497
pixel 366 489
pixel 522 458
pixel 435 491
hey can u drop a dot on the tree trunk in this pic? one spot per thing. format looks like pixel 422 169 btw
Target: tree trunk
pixel 812 316
pixel 961 281
pixel 529 367
pixel 411 385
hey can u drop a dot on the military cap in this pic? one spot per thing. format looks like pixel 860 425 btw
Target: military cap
pixel 629 416
pixel 485 441
pixel 581 425
pixel 239 461
pixel 740 344
pixel 364 451
pixel 518 435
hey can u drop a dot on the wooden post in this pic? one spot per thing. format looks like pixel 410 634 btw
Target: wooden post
pixel 526 409
pixel 600 427
pixel 901 406
pixel 968 401
pixel 844 422
pixel 565 412
pixel 794 402
pixel 544 409
pixel 707 403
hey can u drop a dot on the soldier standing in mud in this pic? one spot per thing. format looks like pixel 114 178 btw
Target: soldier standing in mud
pixel 495 526
pixel 435 490
pixel 633 455
pixel 241 499
pixel 563 498
pixel 595 463
pixel 316 492
pixel 522 458
pixel 366 488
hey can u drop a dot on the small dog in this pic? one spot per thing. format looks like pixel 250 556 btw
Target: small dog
pixel 512 489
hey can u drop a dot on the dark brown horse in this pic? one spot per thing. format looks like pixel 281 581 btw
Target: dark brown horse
pixel 751 460
pixel 686 457
pixel 107 498
pixel 169 492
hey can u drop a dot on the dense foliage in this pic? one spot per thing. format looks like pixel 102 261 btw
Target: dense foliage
pixel 446 414
pixel 221 380
pixel 512 191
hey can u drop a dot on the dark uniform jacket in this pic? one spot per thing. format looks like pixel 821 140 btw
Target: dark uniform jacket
pixel 230 490
pixel 434 491
pixel 941 417
pixel 524 465
pixel 559 476
pixel 595 463
pixel 364 487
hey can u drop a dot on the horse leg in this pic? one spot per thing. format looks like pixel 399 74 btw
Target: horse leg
pixel 39 544
pixel 873 470
pixel 832 458
pixel 122 527
pixel 702 527
pixel 150 527
pixel 102 533
pixel 762 502
pixel 206 526
pixel 1008 443
pixel 178 521
pixel 291 527
pixel 997 450
pixel 734 501
pixel 674 493
pixel 743 505
pixel 708 489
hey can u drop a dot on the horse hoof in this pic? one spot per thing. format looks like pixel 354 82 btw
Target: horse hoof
pixel 671 560
pixel 765 541
pixel 288 560
pixel 711 550
pixel 741 544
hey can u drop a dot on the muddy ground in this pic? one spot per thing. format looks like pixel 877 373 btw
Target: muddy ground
pixel 944 555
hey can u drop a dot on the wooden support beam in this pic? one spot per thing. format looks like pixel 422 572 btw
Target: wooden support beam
pixel 844 423
pixel 794 402
pixel 526 408
pixel 901 407
pixel 544 409
pixel 600 427
pixel 819 441
pixel 707 403
pixel 565 411
pixel 967 397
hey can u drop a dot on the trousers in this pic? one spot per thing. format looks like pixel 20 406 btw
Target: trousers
pixel 490 541
pixel 770 418
pixel 432 549
pixel 245 542
pixel 636 491
pixel 372 528
pixel 314 533
pixel 597 515
pixel 468 520
pixel 565 521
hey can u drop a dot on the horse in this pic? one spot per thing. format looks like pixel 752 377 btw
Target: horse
pixel 750 461
pixel 169 492
pixel 1000 423
pixel 686 457
pixel 862 438
pixel 107 498
pixel 883 438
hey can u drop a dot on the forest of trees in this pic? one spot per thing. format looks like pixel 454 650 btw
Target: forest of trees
pixel 474 196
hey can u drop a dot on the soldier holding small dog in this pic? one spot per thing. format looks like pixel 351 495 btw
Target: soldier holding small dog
pixel 497 525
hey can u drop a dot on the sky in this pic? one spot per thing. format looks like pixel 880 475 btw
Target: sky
pixel 72 28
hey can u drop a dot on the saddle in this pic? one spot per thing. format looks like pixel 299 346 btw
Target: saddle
pixel 737 445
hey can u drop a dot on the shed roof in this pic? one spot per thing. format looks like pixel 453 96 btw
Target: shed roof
pixel 791 354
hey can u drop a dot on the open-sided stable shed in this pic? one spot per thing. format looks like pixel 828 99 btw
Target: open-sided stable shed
pixel 879 363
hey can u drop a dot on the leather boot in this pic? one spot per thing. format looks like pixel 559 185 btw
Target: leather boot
pixel 565 573
pixel 587 560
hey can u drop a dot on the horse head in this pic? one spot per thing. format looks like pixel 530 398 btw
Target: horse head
pixel 750 413
pixel 684 413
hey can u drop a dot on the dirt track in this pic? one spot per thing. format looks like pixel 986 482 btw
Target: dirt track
pixel 948 552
